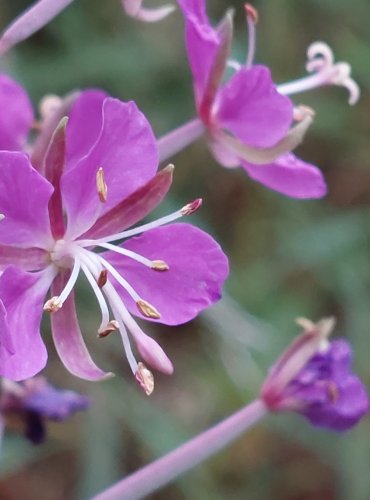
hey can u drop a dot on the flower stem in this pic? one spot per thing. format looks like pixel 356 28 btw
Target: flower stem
pixel 185 457
pixel 178 139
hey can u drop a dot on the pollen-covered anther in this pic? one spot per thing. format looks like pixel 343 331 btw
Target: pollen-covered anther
pixel 101 185
pixel 252 13
pixel 159 265
pixel 147 309
pixel 112 326
pixel 103 277
pixel 53 305
pixel 145 378
pixel 192 207
pixel 302 111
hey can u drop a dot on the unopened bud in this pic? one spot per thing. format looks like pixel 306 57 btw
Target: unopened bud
pixel 112 326
pixel 53 305
pixel 148 309
pixel 251 12
pixel 145 378
pixel 101 186
pixel 159 265
pixel 103 276
pixel 192 207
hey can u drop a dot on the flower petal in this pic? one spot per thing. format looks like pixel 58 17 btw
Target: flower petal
pixel 126 150
pixel 68 339
pixel 24 197
pixel 84 124
pixel 252 109
pixel 23 295
pixel 197 270
pixel 16 115
pixel 202 43
pixel 28 259
pixel 290 176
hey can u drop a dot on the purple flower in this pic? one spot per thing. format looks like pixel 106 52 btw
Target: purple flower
pixel 97 178
pixel 313 377
pixel 36 401
pixel 44 11
pixel 248 120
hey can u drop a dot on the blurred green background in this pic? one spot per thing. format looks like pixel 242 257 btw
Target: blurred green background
pixel 288 258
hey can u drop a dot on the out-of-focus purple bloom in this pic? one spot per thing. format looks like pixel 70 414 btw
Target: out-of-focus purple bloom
pixel 313 377
pixel 43 11
pixel 36 401
pixel 97 177
pixel 248 119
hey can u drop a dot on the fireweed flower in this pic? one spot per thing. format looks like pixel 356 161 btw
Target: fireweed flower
pixel 43 11
pixel 248 120
pixel 97 178
pixel 35 401
pixel 312 377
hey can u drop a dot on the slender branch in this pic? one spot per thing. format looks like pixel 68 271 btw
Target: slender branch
pixel 193 452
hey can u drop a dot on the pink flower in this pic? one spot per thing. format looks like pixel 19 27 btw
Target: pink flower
pixel 44 11
pixel 97 178
pixel 248 122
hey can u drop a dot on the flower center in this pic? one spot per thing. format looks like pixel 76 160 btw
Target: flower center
pixel 62 255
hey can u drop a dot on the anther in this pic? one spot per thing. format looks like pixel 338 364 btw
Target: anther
pixel 147 309
pixel 145 378
pixel 302 111
pixel 251 12
pixel 101 186
pixel 103 277
pixel 112 326
pixel 192 207
pixel 53 305
pixel 159 265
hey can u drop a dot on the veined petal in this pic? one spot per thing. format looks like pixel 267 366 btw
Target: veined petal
pixel 252 109
pixel 23 295
pixel 84 124
pixel 24 197
pixel 202 44
pixel 125 150
pixel 290 176
pixel 16 115
pixel 28 259
pixel 135 207
pixel 197 270
pixel 68 339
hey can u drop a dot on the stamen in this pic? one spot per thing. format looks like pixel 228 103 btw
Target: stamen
pixel 127 253
pixel 159 265
pixel 52 305
pixel 125 284
pixel 252 20
pixel 112 326
pixel 101 186
pixel 145 378
pixel 103 276
pixel 186 210
pixel 148 309
pixel 300 112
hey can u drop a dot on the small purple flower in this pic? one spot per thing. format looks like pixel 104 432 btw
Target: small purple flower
pixel 313 377
pixel 248 120
pixel 36 401
pixel 44 11
pixel 97 178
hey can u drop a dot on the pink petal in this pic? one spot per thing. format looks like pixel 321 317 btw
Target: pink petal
pixel 134 208
pixel 23 295
pixel 202 43
pixel 31 21
pixel 84 124
pixel 16 115
pixel 197 270
pixel 28 259
pixel 290 176
pixel 24 197
pixel 126 150
pixel 252 109
pixel 68 338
